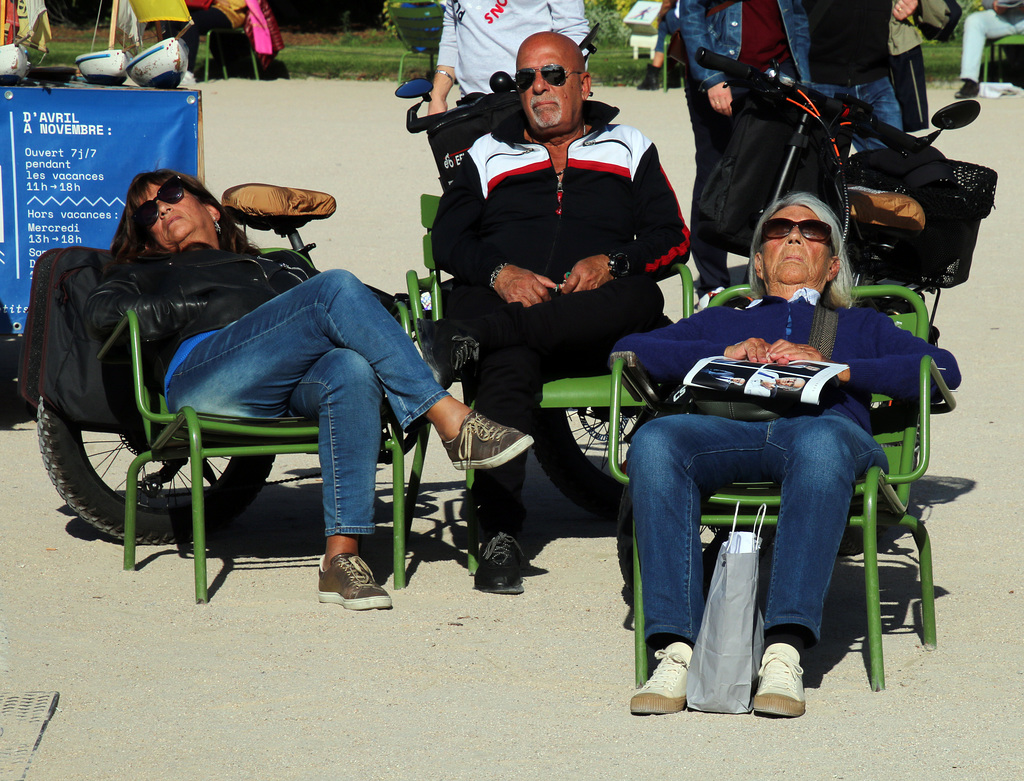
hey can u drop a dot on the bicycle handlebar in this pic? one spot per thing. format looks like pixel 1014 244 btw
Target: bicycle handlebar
pixel 780 88
pixel 734 69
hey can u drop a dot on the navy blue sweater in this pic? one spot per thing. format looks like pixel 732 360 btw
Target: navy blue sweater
pixel 882 357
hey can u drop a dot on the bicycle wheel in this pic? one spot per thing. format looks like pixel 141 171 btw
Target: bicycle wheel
pixel 88 469
pixel 572 448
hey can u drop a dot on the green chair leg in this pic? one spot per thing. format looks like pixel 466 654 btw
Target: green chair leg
pixel 195 446
pixel 398 511
pixel 924 555
pixel 472 526
pixel 872 595
pixel 131 500
pixel 205 47
pixel 639 640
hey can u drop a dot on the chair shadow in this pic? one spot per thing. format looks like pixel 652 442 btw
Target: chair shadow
pixel 284 528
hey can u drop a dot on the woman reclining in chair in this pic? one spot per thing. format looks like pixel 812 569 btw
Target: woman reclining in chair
pixel 238 334
pixel 815 453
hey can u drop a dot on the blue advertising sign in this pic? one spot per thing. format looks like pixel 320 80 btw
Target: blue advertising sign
pixel 67 156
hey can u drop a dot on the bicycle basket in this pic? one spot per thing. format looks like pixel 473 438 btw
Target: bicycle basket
pixel 941 255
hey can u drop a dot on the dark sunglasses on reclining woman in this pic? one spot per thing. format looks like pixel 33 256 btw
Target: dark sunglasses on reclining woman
pixel 171 191
pixel 555 75
pixel 780 228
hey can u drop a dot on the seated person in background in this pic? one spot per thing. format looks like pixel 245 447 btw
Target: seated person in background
pixel 668 24
pixel 815 452
pixel 479 39
pixel 235 333
pixel 996 21
pixel 555 230
pixel 208 15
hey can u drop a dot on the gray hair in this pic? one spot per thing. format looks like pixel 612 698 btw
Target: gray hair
pixel 837 293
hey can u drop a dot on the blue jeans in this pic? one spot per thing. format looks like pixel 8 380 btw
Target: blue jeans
pixel 668 26
pixel 675 461
pixel 979 29
pixel 325 350
pixel 880 96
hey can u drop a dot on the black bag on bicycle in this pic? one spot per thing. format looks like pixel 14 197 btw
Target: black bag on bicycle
pixel 740 185
pixel 59 364
pixel 454 132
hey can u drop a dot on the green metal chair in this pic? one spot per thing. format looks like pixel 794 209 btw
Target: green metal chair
pixel 419 28
pixel 218 33
pixel 880 500
pixel 995 52
pixel 566 393
pixel 197 437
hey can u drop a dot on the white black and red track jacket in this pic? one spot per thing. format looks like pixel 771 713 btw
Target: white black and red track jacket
pixel 506 205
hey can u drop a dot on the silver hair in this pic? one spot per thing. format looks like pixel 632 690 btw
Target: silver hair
pixel 837 293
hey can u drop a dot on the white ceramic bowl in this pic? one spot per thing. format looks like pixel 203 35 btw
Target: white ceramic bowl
pixel 160 66
pixel 13 64
pixel 105 67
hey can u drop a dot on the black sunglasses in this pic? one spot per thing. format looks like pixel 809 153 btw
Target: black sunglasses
pixel 780 228
pixel 171 191
pixel 555 75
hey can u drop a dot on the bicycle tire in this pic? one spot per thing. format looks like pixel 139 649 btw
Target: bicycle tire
pixel 572 448
pixel 89 469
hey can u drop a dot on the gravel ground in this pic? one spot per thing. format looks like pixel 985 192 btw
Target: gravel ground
pixel 264 682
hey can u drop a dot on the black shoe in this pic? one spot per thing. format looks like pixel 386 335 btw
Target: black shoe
pixel 968 90
pixel 652 79
pixel 446 348
pixel 675 81
pixel 498 572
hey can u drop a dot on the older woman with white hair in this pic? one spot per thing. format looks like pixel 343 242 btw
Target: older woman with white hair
pixel 816 453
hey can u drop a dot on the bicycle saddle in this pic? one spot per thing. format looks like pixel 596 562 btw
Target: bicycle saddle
pixel 278 209
pixel 886 209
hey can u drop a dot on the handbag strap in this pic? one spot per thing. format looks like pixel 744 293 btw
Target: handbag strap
pixel 823 330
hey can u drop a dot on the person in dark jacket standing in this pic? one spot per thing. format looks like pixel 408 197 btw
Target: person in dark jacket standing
pixel 235 333
pixel 754 32
pixel 556 230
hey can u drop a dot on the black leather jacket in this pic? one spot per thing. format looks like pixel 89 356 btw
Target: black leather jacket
pixel 178 296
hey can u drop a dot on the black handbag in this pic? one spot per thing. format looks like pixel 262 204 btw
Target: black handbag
pixel 741 183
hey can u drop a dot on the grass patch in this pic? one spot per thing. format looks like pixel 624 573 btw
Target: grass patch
pixel 375 55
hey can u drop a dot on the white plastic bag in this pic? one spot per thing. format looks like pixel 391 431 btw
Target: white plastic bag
pixel 727 655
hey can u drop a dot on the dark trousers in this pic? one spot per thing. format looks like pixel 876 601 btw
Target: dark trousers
pixel 711 132
pixel 203 20
pixel 521 347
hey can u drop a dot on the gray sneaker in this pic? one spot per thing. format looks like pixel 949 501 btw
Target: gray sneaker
pixel 348 582
pixel 484 444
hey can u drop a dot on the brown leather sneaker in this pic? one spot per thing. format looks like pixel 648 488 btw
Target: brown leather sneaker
pixel 348 582
pixel 484 444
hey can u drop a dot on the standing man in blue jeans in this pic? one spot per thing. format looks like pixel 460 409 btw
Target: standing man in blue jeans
pixel 754 32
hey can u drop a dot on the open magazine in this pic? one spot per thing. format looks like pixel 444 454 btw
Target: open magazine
pixel 800 381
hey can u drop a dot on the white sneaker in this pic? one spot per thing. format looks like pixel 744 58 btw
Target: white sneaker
pixel 188 79
pixel 706 298
pixel 780 691
pixel 665 691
